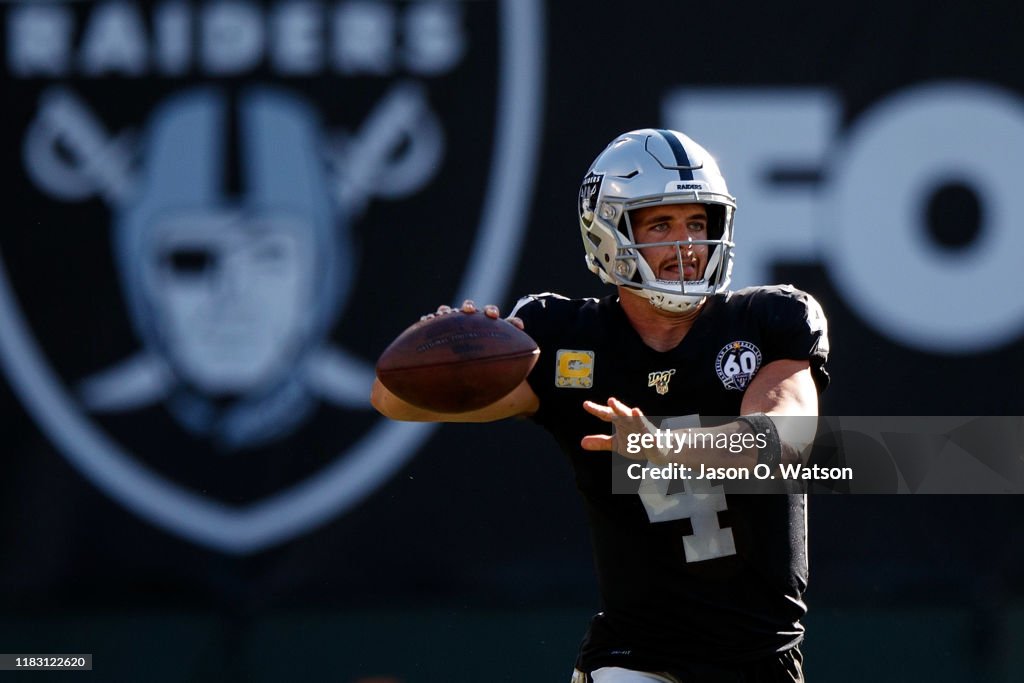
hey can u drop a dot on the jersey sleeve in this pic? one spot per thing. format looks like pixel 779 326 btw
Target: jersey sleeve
pixel 544 318
pixel 795 327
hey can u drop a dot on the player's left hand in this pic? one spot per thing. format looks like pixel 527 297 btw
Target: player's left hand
pixel 627 421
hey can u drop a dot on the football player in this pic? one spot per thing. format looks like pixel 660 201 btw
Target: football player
pixel 697 584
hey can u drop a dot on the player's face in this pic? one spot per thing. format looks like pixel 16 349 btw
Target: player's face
pixel 673 223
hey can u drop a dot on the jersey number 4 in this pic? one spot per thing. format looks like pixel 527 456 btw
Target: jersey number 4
pixel 700 503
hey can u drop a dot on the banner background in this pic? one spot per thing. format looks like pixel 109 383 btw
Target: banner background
pixel 471 559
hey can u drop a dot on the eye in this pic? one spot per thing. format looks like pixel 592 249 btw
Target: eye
pixel 190 262
pixel 698 227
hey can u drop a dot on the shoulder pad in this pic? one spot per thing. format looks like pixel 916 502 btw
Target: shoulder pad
pixel 542 298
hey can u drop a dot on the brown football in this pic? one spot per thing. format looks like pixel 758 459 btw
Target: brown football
pixel 457 362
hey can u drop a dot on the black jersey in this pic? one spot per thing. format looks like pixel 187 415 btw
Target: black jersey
pixel 722 578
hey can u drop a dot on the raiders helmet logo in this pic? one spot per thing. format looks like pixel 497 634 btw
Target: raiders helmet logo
pixel 589 191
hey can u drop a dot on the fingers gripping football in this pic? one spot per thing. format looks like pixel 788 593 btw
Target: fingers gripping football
pixel 469 307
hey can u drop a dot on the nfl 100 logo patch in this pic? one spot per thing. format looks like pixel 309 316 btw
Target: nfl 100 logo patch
pixel 660 379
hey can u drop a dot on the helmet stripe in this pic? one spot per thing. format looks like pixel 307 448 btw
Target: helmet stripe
pixel 682 161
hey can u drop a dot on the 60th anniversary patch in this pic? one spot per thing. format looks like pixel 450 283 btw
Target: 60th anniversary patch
pixel 737 363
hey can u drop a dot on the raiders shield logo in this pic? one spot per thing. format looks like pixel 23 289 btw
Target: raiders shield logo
pixel 206 217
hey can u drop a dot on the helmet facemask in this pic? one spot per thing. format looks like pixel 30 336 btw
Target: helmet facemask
pixel 676 295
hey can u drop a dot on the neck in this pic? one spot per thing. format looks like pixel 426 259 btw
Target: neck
pixel 661 330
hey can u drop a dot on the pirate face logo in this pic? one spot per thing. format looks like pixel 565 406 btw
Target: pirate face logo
pixel 236 228
pixel 230 291
pixel 227 295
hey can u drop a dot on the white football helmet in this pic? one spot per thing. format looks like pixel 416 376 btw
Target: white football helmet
pixel 646 168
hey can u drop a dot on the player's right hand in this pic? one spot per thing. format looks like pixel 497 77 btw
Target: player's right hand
pixel 627 421
pixel 490 310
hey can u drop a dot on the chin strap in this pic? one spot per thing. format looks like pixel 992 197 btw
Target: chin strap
pixel 679 303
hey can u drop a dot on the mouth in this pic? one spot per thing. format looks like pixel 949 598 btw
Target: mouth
pixel 670 270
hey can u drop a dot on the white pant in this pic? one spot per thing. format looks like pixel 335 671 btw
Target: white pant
pixel 615 674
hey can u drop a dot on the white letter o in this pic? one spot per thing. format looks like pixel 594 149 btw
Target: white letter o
pixel 876 242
